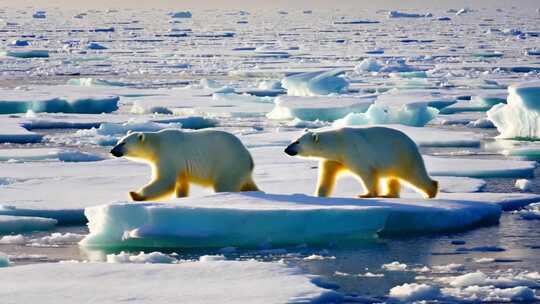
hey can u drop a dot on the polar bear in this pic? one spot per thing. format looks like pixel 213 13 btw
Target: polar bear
pixel 209 158
pixel 379 156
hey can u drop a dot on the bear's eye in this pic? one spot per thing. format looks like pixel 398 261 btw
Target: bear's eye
pixel 296 142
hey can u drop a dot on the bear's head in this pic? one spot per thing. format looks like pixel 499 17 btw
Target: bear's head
pixel 307 145
pixel 134 145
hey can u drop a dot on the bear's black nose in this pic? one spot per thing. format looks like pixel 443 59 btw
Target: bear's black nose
pixel 117 150
pixel 291 151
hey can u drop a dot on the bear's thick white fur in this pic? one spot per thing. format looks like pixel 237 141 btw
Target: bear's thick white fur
pixel 381 157
pixel 209 158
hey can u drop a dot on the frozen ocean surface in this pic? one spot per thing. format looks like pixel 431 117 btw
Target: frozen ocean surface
pixel 462 82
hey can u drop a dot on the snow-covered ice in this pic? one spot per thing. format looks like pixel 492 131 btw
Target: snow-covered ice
pixel 315 83
pixel 216 281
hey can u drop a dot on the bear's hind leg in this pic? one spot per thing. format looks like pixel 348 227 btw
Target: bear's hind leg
pixel 328 171
pixel 249 186
pixel 371 184
pixel 182 186
pixel 394 188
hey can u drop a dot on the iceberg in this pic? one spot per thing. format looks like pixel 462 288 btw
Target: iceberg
pixel 315 83
pixel 321 108
pixel 216 282
pixel 258 219
pixel 17 224
pixel 520 117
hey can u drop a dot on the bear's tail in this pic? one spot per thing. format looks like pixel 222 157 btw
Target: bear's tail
pixel 434 189
pixel 249 186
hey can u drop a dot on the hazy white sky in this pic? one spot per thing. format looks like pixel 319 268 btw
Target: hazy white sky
pixel 282 4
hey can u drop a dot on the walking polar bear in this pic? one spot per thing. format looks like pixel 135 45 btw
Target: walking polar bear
pixel 378 156
pixel 209 158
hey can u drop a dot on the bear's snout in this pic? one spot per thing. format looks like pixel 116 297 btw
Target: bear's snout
pixel 118 150
pixel 291 150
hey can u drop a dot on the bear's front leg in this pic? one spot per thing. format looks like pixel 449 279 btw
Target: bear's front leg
pixel 328 171
pixel 370 180
pixel 158 188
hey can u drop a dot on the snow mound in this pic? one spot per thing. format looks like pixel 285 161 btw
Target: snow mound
pixel 256 219
pixel 315 83
pixel 317 108
pixel 216 282
pixel 17 224
pixel 520 117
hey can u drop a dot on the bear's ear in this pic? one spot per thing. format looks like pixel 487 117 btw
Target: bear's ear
pixel 140 136
pixel 315 137
pixel 129 132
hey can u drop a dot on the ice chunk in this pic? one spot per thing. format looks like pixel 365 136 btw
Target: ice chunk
pixel 532 212
pixel 524 184
pixel 324 108
pixel 21 101
pixel 39 15
pixel 38 154
pixel 145 258
pixel 19 42
pixel 477 103
pixel 368 65
pixel 411 115
pixel 17 224
pixel 95 46
pixel 520 118
pixel 254 219
pixel 183 14
pixel 398 14
pixel 315 83
pixel 216 282
pixel 90 82
pixel 415 292
pixel 4 260
pixel 24 53
pixel 394 266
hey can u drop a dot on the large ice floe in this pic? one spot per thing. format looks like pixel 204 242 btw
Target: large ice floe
pixel 11 132
pixel 520 117
pixel 216 282
pixel 259 219
pixel 315 83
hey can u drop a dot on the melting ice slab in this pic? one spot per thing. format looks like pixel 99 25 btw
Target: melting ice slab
pixel 315 83
pixel 520 118
pixel 216 282
pixel 15 224
pixel 256 219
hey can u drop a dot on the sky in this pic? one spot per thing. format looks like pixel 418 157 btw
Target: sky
pixel 278 4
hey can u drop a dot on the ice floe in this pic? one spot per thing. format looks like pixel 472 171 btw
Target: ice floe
pixel 256 219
